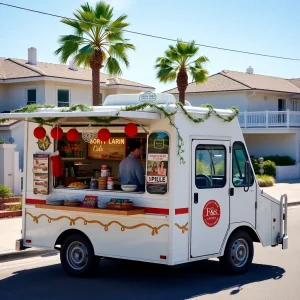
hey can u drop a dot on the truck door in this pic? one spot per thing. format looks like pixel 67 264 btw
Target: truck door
pixel 210 196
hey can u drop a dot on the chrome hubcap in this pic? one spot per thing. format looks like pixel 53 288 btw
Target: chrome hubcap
pixel 239 253
pixel 77 255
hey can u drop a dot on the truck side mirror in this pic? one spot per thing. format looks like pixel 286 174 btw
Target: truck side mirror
pixel 247 175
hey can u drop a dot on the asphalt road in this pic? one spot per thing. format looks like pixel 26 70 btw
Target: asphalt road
pixel 274 275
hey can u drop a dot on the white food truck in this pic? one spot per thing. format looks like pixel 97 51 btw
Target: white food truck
pixel 201 199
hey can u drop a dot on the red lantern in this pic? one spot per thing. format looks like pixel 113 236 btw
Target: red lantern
pixel 56 133
pixel 131 129
pixel 104 134
pixel 73 135
pixel 39 132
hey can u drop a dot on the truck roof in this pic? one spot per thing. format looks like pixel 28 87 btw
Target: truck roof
pixel 114 105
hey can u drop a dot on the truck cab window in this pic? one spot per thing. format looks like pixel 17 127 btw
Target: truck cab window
pixel 210 166
pixel 239 159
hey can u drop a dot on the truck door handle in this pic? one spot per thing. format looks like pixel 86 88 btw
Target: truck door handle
pixel 195 198
pixel 231 191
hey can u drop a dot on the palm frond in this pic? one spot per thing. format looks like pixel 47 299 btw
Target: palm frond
pixel 104 10
pixel 113 66
pixel 77 29
pixel 198 73
pixel 166 74
pixel 84 55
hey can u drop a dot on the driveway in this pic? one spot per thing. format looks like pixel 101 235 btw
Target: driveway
pixel 291 188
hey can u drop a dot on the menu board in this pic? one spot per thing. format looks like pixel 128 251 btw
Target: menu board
pixel 113 149
pixel 41 174
pixel 157 164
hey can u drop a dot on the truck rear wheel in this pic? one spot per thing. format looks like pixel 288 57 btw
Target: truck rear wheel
pixel 238 253
pixel 77 256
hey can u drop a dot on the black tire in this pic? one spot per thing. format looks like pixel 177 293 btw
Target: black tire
pixel 235 263
pixel 77 256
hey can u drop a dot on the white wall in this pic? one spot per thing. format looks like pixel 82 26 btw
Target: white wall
pixel 272 144
pixel 16 94
pixel 17 134
pixel 287 172
pixel 3 102
pixel 257 102
pixel 219 100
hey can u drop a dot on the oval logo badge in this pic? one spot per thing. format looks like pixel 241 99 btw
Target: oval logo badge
pixel 147 97
pixel 211 213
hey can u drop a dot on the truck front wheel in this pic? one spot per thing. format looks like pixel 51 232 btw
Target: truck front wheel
pixel 238 253
pixel 77 256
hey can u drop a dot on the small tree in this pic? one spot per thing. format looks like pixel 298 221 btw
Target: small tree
pixel 178 63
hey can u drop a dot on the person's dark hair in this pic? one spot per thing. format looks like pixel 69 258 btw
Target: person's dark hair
pixel 134 145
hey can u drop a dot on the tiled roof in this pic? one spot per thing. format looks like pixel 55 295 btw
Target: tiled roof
pixel 19 68
pixel 234 81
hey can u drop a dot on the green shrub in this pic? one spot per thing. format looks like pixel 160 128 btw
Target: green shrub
pixel 5 191
pixel 269 168
pixel 281 160
pixel 265 180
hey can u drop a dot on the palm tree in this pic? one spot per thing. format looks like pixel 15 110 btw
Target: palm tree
pixel 177 64
pixel 97 41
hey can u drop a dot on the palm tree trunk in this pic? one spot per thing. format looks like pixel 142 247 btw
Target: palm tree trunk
pixel 96 65
pixel 96 85
pixel 182 83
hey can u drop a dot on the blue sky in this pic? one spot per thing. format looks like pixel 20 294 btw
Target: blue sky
pixel 270 27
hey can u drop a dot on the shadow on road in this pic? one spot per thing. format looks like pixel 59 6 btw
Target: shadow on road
pixel 132 280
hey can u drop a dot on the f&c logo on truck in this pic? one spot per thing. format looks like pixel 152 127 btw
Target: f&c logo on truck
pixel 211 213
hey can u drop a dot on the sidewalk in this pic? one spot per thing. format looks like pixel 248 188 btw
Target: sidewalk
pixel 292 189
pixel 10 231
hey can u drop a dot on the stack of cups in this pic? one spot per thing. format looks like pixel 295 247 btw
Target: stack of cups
pixel 102 181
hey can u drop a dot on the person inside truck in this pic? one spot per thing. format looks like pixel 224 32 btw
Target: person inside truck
pixel 131 170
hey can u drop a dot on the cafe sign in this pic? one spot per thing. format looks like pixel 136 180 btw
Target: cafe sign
pixel 113 149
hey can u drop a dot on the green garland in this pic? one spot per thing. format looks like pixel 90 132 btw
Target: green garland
pixel 107 120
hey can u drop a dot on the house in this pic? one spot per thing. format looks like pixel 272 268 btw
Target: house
pixel 269 111
pixel 24 82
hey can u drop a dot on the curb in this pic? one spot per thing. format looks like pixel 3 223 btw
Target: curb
pixel 28 253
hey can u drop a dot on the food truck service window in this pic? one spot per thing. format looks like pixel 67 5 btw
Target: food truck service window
pixel 210 166
pixel 158 163
pixel 239 158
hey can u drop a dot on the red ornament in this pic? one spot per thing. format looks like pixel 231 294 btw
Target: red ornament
pixel 73 135
pixel 131 129
pixel 39 132
pixel 104 134
pixel 56 133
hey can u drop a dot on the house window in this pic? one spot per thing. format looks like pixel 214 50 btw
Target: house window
pixel 63 98
pixel 31 96
pixel 296 105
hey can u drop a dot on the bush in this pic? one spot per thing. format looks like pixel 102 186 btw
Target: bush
pixel 269 168
pixel 265 180
pixel 5 191
pixel 281 160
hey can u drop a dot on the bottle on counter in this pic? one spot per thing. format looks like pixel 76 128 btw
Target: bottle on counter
pixel 104 170
pixel 110 183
